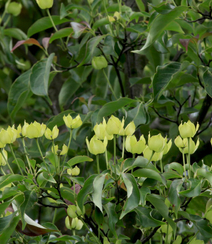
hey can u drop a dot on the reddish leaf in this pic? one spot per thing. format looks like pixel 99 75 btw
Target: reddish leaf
pixel 29 41
pixel 185 43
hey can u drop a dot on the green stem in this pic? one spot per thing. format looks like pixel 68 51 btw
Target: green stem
pixel 54 217
pixel 167 234
pixel 184 165
pixel 114 154
pixel 106 159
pixel 38 145
pixel 24 146
pixel 57 161
pixel 109 84
pixel 95 237
pixel 50 17
pixel 97 161
pixel 69 143
pixel 123 146
pixel 161 166
pixel 188 159
pixel 11 148
pixel 6 161
pixel 150 159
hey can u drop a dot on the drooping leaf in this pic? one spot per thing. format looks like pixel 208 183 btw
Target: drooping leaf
pixel 19 93
pixel 97 190
pixel 15 33
pixel 134 199
pixel 86 189
pixel 39 78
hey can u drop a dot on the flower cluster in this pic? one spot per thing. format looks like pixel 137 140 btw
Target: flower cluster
pixel 184 142
pixel 157 145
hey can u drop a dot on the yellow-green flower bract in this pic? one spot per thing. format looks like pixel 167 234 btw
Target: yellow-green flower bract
pixel 134 146
pixel 96 146
pixel 43 4
pixel 72 123
pixel 188 129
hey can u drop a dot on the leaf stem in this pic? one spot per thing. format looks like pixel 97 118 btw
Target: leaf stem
pixel 6 161
pixel 11 148
pixel 109 84
pixel 97 161
pixel 25 151
pixel 38 145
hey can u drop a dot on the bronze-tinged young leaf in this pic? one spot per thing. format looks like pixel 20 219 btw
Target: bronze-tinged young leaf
pixel 29 41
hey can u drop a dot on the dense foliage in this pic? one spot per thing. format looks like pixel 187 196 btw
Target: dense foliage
pixel 105 112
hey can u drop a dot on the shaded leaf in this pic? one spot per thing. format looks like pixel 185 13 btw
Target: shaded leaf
pixel 78 159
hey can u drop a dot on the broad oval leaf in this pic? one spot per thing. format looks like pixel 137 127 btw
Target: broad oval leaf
pixel 78 159
pixel 97 190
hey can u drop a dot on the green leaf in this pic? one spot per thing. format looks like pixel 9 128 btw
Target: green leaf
pixel 110 209
pixel 205 174
pixel 7 227
pixel 43 24
pixel 65 32
pixel 86 189
pixel 163 76
pixel 149 173
pixel 179 240
pixel 145 218
pixel 173 194
pixel 7 179
pixel 39 78
pixel 195 189
pixel 160 24
pixel 101 22
pixel 15 33
pixel 175 166
pixel 128 184
pixel 97 190
pixel 19 93
pixel 207 76
pixel 140 5
pixel 160 205
pixel 78 159
pixel 134 199
pixel 139 115
pixel 73 83
pixel 111 107
pixel 67 193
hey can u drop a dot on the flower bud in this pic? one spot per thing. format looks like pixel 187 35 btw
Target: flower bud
pixel 99 62
pixel 188 129
pixel 51 135
pixel 68 222
pixel 23 131
pixel 74 172
pixel 156 143
pixel 71 211
pixel 14 8
pixel 43 4
pixel 3 158
pixel 72 123
pixel 117 15
pixel 96 146
pixel 8 136
pixel 179 142
pixel 76 224
pixel 134 146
